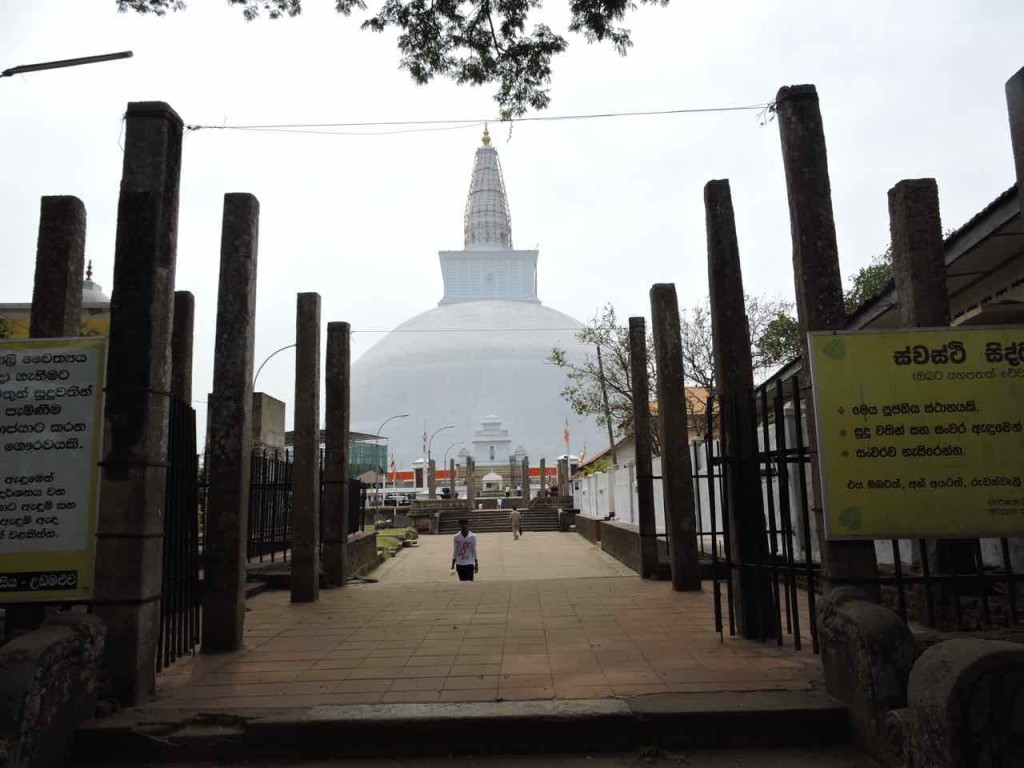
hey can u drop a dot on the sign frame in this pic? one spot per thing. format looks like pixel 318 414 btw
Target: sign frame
pixel 826 464
pixel 40 572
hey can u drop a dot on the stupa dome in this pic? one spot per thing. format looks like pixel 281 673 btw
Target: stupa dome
pixel 482 355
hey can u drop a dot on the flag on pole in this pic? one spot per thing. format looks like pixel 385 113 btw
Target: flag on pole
pixel 424 444
pixel 392 469
pixel 565 435
pixel 583 455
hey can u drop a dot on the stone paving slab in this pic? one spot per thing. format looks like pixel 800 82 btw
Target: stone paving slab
pixel 423 641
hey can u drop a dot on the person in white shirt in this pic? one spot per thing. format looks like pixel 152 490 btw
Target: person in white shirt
pixel 464 559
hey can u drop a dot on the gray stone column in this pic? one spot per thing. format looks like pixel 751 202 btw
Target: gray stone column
pixel 129 536
pixel 676 472
pixel 60 259
pixel 819 290
pixel 543 479
pixel 305 581
pixel 336 453
pixel 181 345
pixel 526 480
pixel 471 482
pixel 918 255
pixel 919 266
pixel 230 414
pixel 451 478
pixel 1015 108
pixel 734 377
pixel 431 479
pixel 56 313
pixel 642 441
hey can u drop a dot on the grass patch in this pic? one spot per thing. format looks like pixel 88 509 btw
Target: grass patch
pixel 390 539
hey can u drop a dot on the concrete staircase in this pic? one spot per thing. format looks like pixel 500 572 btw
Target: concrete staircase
pixel 496 520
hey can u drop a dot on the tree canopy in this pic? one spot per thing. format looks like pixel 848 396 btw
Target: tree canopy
pixel 774 335
pixel 474 42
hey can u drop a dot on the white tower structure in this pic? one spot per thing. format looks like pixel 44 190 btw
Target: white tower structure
pixel 484 350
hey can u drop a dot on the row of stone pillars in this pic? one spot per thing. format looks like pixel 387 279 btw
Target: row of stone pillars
pixel 920 277
pixel 149 359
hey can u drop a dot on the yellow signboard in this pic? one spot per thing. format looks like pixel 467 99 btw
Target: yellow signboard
pixel 51 431
pixel 920 432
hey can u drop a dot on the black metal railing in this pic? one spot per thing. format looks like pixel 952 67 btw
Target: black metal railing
pixel 270 507
pixel 976 586
pixel 180 603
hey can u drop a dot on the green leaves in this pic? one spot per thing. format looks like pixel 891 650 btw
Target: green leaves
pixel 473 42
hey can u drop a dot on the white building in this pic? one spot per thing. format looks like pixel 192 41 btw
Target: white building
pixel 484 350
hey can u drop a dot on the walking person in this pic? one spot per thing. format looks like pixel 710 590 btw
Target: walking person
pixel 464 559
pixel 517 524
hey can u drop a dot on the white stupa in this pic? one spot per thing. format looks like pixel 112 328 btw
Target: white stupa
pixel 481 355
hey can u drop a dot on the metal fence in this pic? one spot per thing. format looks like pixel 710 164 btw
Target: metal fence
pixel 977 584
pixel 180 601
pixel 270 507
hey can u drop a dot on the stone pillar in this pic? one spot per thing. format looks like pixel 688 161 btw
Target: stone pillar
pixel 336 452
pixel 543 479
pixel 563 472
pixel 129 536
pixel 1015 107
pixel 56 313
pixel 431 479
pixel 526 480
pixel 181 345
pixel 471 482
pixel 919 266
pixel 230 414
pixel 305 581
pixel 734 377
pixel 918 255
pixel 819 290
pixel 451 478
pixel 676 473
pixel 642 440
pixel 60 259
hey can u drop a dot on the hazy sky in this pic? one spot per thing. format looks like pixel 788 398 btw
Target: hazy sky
pixel 908 89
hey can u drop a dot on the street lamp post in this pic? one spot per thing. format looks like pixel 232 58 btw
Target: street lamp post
pixel 379 429
pixel 267 360
pixel 429 442
pixel 65 63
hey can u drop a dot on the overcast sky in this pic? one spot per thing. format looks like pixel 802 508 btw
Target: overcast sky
pixel 908 89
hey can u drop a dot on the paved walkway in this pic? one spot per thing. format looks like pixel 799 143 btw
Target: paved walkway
pixel 421 636
pixel 502 558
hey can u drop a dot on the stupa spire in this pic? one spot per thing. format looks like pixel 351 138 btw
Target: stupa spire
pixel 487 222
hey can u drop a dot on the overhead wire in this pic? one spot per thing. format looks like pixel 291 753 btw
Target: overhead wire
pixel 421 126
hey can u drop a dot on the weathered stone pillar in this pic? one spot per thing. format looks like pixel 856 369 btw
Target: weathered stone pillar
pixel 129 536
pixel 56 313
pixel 676 472
pixel 336 452
pixel 819 290
pixel 734 377
pixel 1015 107
pixel 919 267
pixel 471 482
pixel 60 259
pixel 451 478
pixel 642 441
pixel 431 479
pixel 305 581
pixel 526 480
pixel 563 477
pixel 230 415
pixel 181 345
pixel 543 479
pixel 918 255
